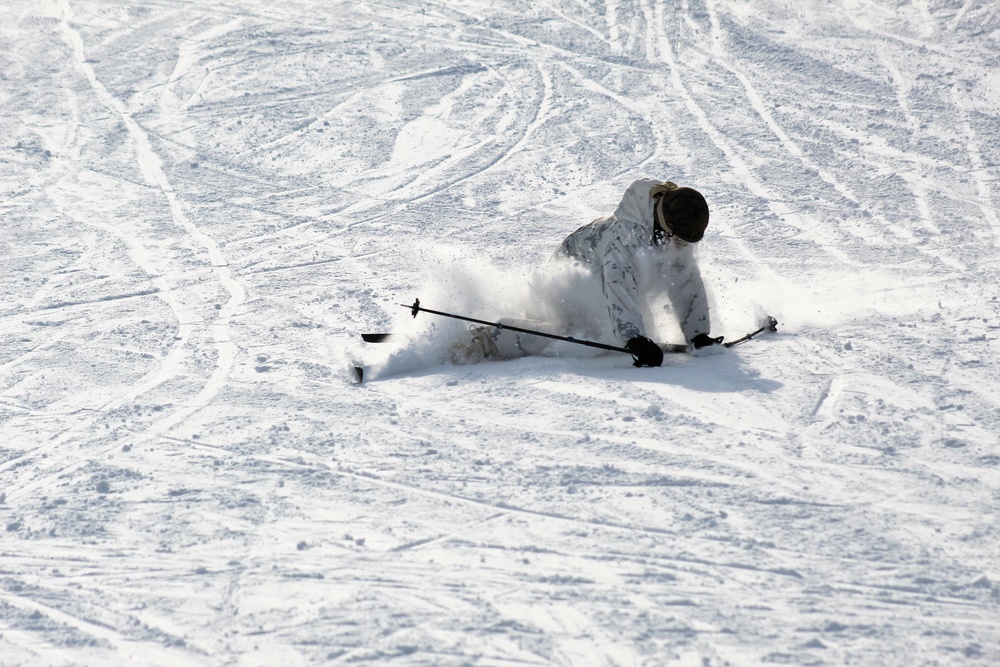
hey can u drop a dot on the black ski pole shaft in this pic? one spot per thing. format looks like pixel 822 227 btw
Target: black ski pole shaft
pixel 772 325
pixel 417 308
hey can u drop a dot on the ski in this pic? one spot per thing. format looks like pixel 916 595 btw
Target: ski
pixel 356 372
pixel 668 348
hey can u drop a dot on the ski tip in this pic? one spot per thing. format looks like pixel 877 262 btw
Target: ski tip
pixel 376 337
pixel 356 371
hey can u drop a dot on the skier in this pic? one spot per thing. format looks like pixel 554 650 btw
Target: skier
pixel 645 246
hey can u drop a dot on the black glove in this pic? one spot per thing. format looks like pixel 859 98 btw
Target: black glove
pixel 644 351
pixel 704 340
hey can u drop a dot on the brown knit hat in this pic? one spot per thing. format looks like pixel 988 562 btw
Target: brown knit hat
pixel 684 213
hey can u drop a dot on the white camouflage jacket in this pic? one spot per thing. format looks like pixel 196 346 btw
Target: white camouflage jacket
pixel 618 249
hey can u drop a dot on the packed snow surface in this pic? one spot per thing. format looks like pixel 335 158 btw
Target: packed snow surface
pixel 204 203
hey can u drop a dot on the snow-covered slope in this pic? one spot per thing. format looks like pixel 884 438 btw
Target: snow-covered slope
pixel 203 204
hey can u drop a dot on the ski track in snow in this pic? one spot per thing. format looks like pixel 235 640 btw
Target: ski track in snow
pixel 204 205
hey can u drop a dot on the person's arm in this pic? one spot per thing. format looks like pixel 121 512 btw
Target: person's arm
pixel 690 301
pixel 621 289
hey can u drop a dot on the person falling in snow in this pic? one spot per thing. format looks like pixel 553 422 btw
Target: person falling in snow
pixel 648 242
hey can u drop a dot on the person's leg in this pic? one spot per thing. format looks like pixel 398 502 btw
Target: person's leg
pixel 512 344
pixel 498 342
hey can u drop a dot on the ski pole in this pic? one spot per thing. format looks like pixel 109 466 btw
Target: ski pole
pixel 417 308
pixel 771 325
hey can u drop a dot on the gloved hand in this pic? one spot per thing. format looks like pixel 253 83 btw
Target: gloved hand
pixel 704 340
pixel 644 351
